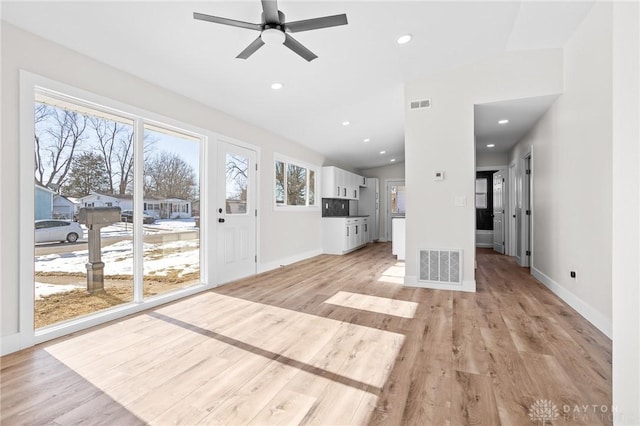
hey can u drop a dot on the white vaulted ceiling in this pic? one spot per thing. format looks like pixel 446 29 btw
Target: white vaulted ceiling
pixel 359 75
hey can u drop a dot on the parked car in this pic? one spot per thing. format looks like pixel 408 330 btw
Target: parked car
pixel 154 214
pixel 48 230
pixel 127 216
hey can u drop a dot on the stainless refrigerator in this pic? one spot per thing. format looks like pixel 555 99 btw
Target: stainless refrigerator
pixel 369 204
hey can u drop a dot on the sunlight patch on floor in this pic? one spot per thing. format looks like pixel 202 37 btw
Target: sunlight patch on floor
pixel 219 359
pixel 381 305
pixel 394 274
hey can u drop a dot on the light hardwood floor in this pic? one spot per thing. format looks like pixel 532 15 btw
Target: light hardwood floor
pixel 332 340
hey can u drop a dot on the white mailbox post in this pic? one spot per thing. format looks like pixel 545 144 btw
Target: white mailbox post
pixel 96 218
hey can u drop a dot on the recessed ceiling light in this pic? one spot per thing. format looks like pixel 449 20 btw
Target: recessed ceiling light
pixel 404 39
pixel 503 121
pixel 491 145
pixel 367 140
pixel 346 123
pixel 277 86
pixel 393 160
pixel 383 152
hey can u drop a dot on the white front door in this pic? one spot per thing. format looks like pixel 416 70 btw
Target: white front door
pixel 498 211
pixel 236 212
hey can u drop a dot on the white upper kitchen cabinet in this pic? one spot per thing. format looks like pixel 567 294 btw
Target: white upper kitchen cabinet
pixel 339 183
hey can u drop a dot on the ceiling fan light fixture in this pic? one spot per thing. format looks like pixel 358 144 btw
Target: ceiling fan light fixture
pixel 272 36
pixel 404 39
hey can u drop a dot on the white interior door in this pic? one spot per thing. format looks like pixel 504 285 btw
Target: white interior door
pixel 498 211
pixel 236 212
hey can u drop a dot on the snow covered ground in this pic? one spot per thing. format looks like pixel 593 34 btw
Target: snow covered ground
pixel 159 259
pixel 122 229
pixel 43 289
pixel 181 256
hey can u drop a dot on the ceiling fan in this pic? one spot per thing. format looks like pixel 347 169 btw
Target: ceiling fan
pixel 275 30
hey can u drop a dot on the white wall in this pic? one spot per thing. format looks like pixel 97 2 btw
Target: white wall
pixel 626 212
pixel 392 171
pixel 442 139
pixel 492 159
pixel 572 175
pixel 285 236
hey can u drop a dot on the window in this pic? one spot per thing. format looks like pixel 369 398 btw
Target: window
pixel 295 184
pixel 481 193
pixel 82 149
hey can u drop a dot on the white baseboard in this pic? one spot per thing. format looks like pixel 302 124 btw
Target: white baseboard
pixel 587 311
pixel 484 245
pixel 268 266
pixel 467 285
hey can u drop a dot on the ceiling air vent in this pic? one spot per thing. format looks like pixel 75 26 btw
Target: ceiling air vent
pixel 421 104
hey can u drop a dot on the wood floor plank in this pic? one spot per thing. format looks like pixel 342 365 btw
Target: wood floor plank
pixel 469 351
pixel 329 340
pixel 473 402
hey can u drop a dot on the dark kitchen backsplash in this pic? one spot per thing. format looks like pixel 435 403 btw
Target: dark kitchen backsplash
pixel 333 207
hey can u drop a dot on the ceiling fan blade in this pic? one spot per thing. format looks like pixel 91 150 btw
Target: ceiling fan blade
pixel 251 49
pixel 226 21
pixel 270 9
pixel 294 45
pixel 316 23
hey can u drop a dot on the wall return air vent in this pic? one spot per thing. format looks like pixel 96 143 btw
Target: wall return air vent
pixel 440 266
pixel 420 104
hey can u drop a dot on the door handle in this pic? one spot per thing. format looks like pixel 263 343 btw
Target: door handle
pixel 221 220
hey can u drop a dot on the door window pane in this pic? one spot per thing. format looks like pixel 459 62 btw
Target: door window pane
pixel 236 188
pixel 397 200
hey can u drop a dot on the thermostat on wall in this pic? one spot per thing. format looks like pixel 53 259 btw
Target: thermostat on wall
pixel 438 175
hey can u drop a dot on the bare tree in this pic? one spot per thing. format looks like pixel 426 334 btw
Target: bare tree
pixel 168 175
pixel 296 185
pixel 107 132
pixel 41 113
pixel 237 172
pixel 124 160
pixel 280 182
pixel 59 133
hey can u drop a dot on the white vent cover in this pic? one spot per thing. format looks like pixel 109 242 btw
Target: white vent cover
pixel 440 266
pixel 420 104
